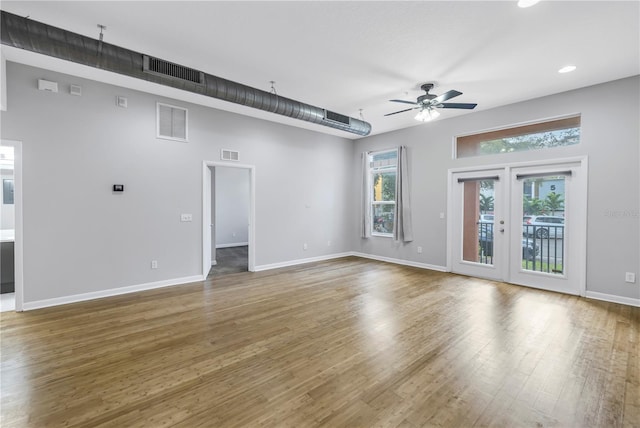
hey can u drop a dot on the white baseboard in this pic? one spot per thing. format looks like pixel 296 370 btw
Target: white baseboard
pixel 301 261
pixel 351 253
pixel 233 244
pixel 214 262
pixel 400 262
pixel 613 298
pixel 38 304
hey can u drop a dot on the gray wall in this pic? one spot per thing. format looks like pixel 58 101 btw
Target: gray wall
pixel 231 206
pixel 610 138
pixel 79 237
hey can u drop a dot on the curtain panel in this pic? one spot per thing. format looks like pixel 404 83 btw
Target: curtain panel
pixel 365 220
pixel 402 227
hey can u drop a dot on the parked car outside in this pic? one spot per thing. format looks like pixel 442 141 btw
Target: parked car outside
pixel 485 218
pixel 543 226
pixel 485 237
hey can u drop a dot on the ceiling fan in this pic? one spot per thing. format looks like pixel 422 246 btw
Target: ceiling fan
pixel 427 103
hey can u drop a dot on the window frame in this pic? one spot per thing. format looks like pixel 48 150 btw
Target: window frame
pixel 468 145
pixel 372 171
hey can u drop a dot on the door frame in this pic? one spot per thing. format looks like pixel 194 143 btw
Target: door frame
pixel 18 251
pixel 206 212
pixel 496 270
pixel 579 226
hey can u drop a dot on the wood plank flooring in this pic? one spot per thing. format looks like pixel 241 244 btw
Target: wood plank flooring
pixel 342 343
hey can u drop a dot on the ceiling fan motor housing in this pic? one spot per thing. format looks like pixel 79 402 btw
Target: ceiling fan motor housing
pixel 423 99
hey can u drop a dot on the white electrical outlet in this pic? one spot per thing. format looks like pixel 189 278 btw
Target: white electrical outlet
pixel 154 264
pixel 630 277
pixel 419 250
pixel 328 243
pixel 305 246
pixel 441 215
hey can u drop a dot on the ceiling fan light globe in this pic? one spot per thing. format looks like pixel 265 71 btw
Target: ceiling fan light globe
pixel 427 115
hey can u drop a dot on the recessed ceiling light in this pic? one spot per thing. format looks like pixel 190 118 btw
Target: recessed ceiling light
pixel 527 3
pixel 567 69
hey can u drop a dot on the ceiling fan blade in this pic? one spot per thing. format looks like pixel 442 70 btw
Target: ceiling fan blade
pixel 444 97
pixel 401 111
pixel 403 101
pixel 467 106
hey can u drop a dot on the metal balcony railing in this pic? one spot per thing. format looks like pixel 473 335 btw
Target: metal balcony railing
pixel 542 247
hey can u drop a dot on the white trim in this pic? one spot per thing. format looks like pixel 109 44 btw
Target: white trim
pixel 613 298
pixel 401 262
pixel 353 254
pixel 18 245
pixel 301 261
pixel 214 262
pixel 541 162
pixel 206 222
pixel 109 293
pixel 233 244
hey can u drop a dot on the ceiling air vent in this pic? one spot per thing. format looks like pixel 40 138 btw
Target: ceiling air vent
pixel 168 69
pixel 336 117
pixel 229 155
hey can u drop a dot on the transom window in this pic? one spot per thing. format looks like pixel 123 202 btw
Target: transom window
pixel 382 186
pixel 535 136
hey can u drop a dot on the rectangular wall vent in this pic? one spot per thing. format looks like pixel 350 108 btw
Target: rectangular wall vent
pixel 169 69
pixel 229 155
pixel 172 122
pixel 337 117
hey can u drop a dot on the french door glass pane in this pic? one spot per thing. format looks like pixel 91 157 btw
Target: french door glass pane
pixel 543 224
pixel 478 221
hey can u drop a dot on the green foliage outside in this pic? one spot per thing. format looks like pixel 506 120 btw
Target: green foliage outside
pixel 550 205
pixel 541 140
pixel 486 204
pixel 388 185
pixel 540 266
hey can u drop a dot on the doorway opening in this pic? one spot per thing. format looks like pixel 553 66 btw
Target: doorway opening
pixel 11 274
pixel 228 218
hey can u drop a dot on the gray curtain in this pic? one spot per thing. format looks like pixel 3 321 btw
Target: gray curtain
pixel 402 229
pixel 365 228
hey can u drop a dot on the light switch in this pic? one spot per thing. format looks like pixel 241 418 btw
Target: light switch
pixel 186 217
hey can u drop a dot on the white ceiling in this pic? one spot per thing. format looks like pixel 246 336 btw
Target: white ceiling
pixel 346 56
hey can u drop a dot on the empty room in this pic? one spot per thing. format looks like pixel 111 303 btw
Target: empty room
pixel 320 214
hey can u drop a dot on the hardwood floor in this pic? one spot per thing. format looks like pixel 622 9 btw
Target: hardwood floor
pixel 348 342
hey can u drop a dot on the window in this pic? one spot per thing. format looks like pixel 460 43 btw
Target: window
pixel 535 136
pixel 382 191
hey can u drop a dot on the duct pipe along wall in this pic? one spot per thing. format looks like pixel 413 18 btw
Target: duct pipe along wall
pixel 44 39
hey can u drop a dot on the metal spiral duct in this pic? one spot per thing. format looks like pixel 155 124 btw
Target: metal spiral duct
pixel 44 39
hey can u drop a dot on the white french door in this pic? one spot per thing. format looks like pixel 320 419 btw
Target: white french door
pixel 479 226
pixel 551 203
pixel 521 224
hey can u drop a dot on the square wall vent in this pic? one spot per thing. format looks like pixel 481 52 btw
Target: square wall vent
pixel 172 122
pixel 229 155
